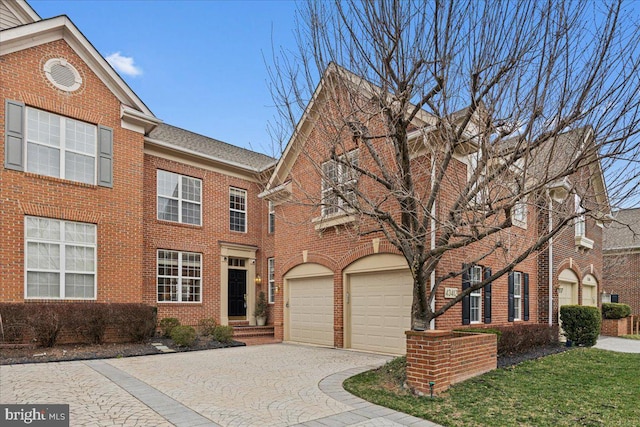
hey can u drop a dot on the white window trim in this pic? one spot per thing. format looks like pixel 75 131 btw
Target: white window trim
pixel 475 294
pixel 245 211
pixel 517 297
pixel 62 270
pixel 271 224
pixel 62 148
pixel 520 222
pixel 271 280
pixel 179 284
pixel 180 199
pixel 471 160
pixel 342 171
pixel 580 221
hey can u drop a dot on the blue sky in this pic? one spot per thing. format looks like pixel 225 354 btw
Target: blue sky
pixel 198 65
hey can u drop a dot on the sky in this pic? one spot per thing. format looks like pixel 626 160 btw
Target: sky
pixel 197 64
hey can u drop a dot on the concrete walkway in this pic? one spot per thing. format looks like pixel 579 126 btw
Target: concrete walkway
pixel 271 385
pixel 621 345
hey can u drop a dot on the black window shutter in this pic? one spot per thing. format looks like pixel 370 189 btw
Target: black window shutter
pixel 511 297
pixel 487 296
pixel 615 298
pixel 14 135
pixel 526 295
pixel 105 156
pixel 466 300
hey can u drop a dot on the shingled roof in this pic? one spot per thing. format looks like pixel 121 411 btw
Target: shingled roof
pixel 624 230
pixel 211 148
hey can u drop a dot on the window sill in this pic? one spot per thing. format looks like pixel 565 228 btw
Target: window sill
pixel 61 180
pixel 519 224
pixel 180 302
pixel 333 220
pixel 179 224
pixel 583 242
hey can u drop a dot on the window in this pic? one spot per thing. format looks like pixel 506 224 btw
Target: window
pixel 478 183
pixel 580 219
pixel 475 277
pixel 517 295
pixel 519 216
pixel 339 178
pixel 237 210
pixel 179 276
pixel 60 147
pixel 179 198
pixel 60 259
pixel 271 273
pixel 272 218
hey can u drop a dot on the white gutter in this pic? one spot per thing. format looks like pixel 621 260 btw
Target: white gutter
pixel 550 263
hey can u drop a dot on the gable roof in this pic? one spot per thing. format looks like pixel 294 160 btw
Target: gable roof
pixel 43 31
pixel 16 12
pixel 213 149
pixel 624 230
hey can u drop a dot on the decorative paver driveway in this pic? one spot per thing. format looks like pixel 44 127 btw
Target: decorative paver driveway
pixel 270 385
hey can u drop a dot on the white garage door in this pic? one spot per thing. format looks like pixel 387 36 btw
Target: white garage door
pixel 311 310
pixel 589 295
pixel 381 311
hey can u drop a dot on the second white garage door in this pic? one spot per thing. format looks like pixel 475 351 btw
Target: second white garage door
pixel 311 310
pixel 381 311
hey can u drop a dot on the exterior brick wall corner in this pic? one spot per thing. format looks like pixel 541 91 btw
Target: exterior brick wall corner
pixel 615 327
pixel 446 358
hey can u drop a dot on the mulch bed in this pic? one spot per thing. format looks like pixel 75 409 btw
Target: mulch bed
pixel 507 360
pixel 67 352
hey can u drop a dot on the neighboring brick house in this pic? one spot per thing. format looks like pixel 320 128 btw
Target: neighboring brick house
pixel 621 251
pixel 100 202
pixel 349 289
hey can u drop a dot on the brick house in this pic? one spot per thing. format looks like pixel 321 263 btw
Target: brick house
pixel 352 289
pixel 102 202
pixel 621 254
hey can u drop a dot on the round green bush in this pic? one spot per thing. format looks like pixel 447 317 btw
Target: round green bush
pixel 207 326
pixel 167 324
pixel 612 310
pixel 183 336
pixel 581 324
pixel 223 333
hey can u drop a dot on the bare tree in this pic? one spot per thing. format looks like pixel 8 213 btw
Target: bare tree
pixel 532 96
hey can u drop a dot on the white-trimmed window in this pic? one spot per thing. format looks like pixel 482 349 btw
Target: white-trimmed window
pixel 271 273
pixel 60 147
pixel 237 209
pixel 475 298
pixel 61 259
pixel 339 176
pixel 517 295
pixel 179 198
pixel 519 215
pixel 478 183
pixel 179 276
pixel 272 218
pixel 580 219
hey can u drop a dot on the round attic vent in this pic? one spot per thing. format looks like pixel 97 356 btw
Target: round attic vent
pixel 63 75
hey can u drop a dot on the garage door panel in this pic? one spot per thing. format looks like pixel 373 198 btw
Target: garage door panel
pixel 311 310
pixel 381 311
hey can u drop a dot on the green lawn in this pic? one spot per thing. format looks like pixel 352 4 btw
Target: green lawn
pixel 581 387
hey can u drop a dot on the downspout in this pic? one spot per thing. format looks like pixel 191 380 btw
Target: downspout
pixel 432 323
pixel 550 263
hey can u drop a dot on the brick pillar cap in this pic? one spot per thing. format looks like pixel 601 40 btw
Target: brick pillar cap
pixel 432 333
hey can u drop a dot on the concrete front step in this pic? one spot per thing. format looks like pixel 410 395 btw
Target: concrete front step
pixel 252 331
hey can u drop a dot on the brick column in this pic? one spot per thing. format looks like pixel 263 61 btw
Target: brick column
pixel 428 355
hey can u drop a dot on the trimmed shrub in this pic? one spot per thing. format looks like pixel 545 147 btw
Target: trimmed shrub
pixel 482 331
pixel 46 323
pixel 581 324
pixel 183 336
pixel 167 324
pixel 223 334
pixel 612 310
pixel 13 325
pixel 89 321
pixel 137 322
pixel 521 338
pixel 206 327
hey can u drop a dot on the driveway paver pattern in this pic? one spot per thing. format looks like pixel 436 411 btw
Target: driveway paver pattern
pixel 271 385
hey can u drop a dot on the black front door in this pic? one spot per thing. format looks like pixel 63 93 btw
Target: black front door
pixel 237 293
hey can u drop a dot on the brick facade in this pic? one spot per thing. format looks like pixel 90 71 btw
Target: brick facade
pixel 622 277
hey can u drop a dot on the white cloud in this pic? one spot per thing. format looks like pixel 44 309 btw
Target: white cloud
pixel 124 64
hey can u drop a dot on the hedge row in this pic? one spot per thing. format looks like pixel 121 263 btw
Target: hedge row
pixel 612 310
pixel 85 322
pixel 521 338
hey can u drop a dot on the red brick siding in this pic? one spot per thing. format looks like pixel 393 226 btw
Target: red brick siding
pixel 622 276
pixel 117 211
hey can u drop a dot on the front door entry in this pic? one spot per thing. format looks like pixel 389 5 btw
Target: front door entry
pixel 237 293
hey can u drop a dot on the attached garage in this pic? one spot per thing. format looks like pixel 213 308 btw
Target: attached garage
pixel 378 304
pixel 309 308
pixel 589 290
